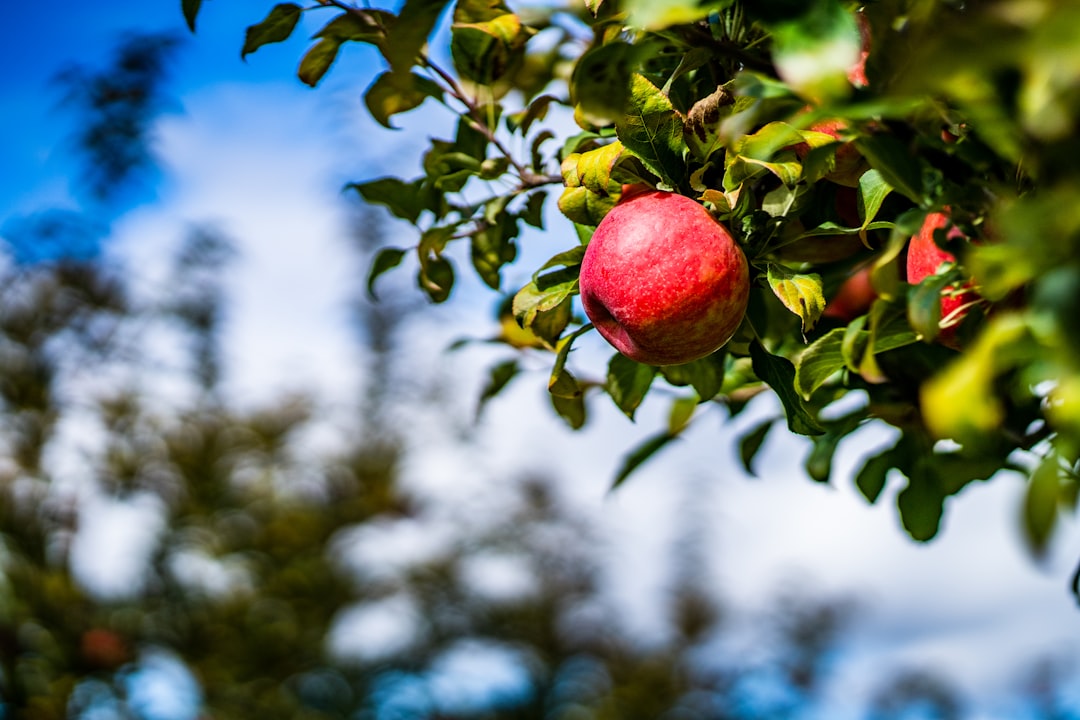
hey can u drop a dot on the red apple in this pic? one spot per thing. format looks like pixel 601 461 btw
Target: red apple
pixel 923 260
pixel 854 297
pixel 663 281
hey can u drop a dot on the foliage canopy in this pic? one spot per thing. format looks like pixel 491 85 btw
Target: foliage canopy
pixel 822 134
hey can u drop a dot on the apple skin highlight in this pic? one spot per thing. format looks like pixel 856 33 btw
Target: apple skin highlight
pixel 663 281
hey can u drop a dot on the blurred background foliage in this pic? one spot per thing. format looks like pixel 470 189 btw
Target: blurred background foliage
pixel 252 599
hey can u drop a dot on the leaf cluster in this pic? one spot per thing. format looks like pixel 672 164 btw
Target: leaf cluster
pixel 821 134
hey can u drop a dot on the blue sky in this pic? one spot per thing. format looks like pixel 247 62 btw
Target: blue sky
pixel 251 149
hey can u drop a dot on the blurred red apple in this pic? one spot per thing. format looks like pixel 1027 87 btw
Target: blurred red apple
pixel 663 281
pixel 850 164
pixel 857 72
pixel 854 297
pixel 103 649
pixel 923 260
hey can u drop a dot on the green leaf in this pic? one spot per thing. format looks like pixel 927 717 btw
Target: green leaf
pixel 600 84
pixel 639 455
pixel 921 503
pixel 394 93
pixel 358 25
pixel 653 131
pixel 533 212
pixel 750 444
pixel 410 31
pixel 762 151
pixel 800 293
pixel 436 278
pixel 544 305
pixel 628 382
pixel 779 374
pixel 562 383
pixel 898 165
pixel 819 461
pixel 593 169
pixel 369 26
pixel 493 243
pixel 498 378
pixel 1041 503
pixel 706 375
pixel 191 9
pixel 584 207
pixel 484 52
pixel 870 480
pixel 924 305
pixel 436 275
pixel 317 60
pixel 819 362
pixel 404 200
pixel 681 412
pixel 275 27
pixel 872 193
pixel 386 259
pixel 570 409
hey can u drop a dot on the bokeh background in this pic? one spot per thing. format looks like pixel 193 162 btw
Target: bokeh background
pixel 233 485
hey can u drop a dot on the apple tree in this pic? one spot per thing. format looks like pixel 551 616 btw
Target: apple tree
pixel 824 136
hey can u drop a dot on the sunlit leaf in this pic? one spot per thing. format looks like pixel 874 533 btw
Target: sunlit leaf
pixel 801 293
pixel 820 361
pixel 485 50
pixel 653 131
pixel 653 15
pixel 681 413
